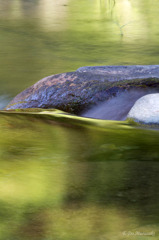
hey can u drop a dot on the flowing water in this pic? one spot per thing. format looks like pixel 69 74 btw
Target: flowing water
pixel 117 107
pixel 64 177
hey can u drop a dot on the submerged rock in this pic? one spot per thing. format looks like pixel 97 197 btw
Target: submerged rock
pixel 146 110
pixel 77 91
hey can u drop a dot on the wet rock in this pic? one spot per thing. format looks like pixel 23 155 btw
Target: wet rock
pixel 146 110
pixel 77 91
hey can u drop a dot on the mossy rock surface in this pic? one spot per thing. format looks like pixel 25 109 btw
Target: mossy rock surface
pixel 77 91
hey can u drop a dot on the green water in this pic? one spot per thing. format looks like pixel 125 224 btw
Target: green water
pixel 43 37
pixel 65 177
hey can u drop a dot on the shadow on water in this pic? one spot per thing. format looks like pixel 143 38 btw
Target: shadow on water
pixel 65 177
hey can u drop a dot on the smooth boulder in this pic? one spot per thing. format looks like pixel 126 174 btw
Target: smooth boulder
pixel 75 92
pixel 146 110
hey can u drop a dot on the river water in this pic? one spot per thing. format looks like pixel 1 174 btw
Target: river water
pixel 64 177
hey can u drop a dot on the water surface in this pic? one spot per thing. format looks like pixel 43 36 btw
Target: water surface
pixel 64 177
pixel 43 37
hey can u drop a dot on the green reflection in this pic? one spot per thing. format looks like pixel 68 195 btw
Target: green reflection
pixel 41 38
pixel 65 177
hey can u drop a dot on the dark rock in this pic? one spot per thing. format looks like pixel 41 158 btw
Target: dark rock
pixel 77 91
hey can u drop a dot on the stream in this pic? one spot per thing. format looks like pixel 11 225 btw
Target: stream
pixel 65 177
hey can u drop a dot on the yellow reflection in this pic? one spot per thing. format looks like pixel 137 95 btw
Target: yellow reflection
pixel 129 21
pixel 28 182
pixel 53 14
pixel 121 18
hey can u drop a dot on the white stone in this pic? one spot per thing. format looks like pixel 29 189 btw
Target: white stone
pixel 146 109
